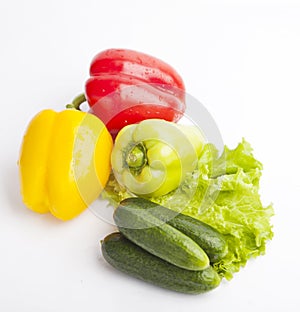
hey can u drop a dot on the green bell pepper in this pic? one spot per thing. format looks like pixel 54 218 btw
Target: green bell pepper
pixel 153 157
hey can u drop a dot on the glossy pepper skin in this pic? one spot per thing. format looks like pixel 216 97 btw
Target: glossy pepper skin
pixel 126 87
pixel 153 157
pixel 64 162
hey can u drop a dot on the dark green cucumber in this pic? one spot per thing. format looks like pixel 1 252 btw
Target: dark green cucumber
pixel 135 261
pixel 210 240
pixel 159 238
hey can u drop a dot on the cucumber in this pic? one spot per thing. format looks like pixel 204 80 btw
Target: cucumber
pixel 135 261
pixel 210 240
pixel 159 238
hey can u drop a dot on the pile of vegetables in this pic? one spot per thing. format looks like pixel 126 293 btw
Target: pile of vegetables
pixel 187 216
pixel 224 193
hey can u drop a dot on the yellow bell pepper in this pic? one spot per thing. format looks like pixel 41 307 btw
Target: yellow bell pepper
pixel 64 162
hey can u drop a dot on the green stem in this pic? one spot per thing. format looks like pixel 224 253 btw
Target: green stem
pixel 77 102
pixel 136 158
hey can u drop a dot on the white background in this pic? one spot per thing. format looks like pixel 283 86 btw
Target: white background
pixel 241 59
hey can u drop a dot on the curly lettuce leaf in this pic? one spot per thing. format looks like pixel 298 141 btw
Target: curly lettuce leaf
pixel 222 192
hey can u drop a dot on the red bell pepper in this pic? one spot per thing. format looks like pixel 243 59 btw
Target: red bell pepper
pixel 127 87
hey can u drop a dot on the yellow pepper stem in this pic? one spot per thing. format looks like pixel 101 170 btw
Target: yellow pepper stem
pixel 77 102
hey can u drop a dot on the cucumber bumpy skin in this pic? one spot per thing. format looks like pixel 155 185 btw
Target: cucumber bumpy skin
pixel 131 259
pixel 159 238
pixel 210 240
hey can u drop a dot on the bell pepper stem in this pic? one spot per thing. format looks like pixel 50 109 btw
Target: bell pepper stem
pixel 77 102
pixel 136 158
